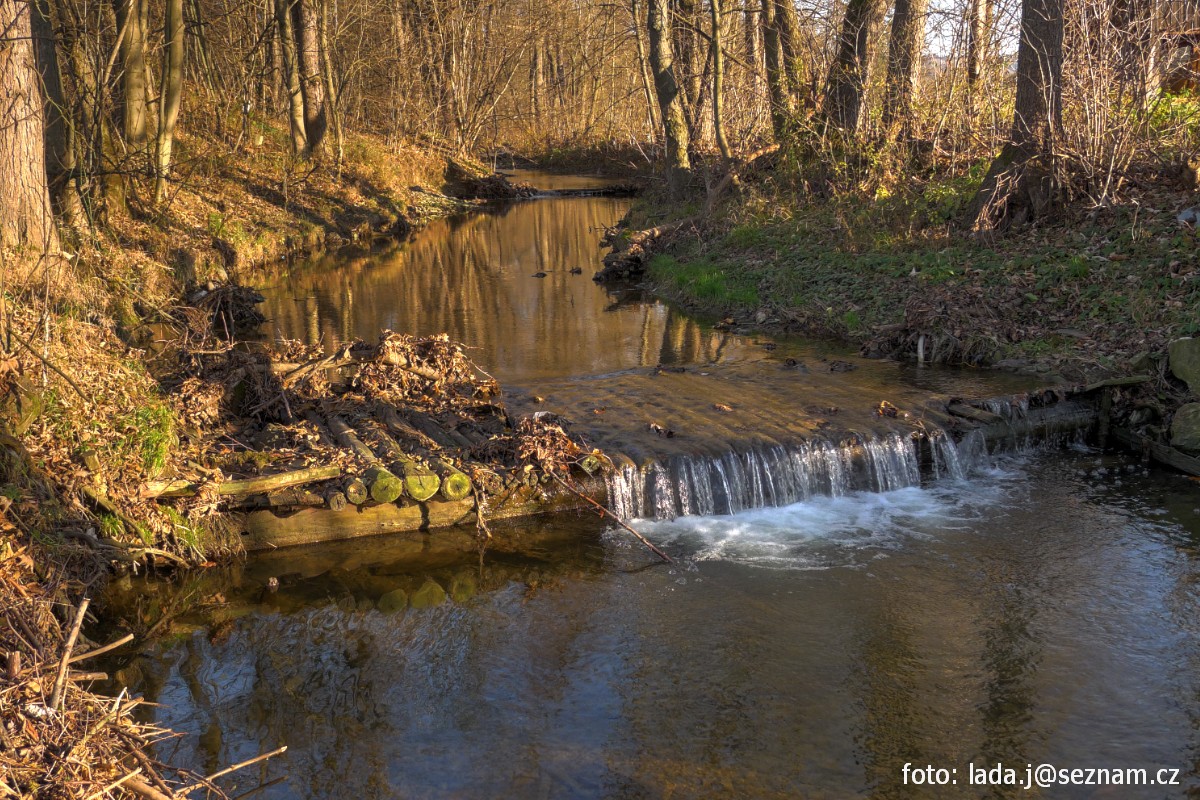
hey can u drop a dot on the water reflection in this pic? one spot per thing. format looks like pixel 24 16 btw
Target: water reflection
pixel 1027 617
pixel 472 277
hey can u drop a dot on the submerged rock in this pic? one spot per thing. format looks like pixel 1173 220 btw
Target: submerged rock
pixel 430 594
pixel 394 601
pixel 1185 362
pixel 1185 428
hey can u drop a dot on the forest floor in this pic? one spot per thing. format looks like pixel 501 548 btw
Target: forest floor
pixel 1095 292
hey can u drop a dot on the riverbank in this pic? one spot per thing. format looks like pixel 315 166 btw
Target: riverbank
pixel 90 395
pixel 1092 294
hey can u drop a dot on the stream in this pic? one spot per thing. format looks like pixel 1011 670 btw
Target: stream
pixel 1038 604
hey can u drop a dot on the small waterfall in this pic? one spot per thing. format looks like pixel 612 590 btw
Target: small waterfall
pixel 766 476
pixel 945 455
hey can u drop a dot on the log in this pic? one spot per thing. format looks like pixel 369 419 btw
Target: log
pixel 356 491
pixel 335 500
pixel 1163 454
pixel 401 427
pixel 296 498
pixel 324 435
pixel 259 485
pixel 420 482
pixel 455 483
pixel 383 485
pixel 973 413
pixel 1130 380
pixel 285 498
pixel 591 464
pixel 427 426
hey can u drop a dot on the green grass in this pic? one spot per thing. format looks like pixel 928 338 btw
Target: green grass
pixel 704 280
pixel 1126 278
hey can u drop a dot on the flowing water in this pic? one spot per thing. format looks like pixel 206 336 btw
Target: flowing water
pixel 835 611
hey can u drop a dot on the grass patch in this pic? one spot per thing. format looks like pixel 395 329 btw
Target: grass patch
pixel 704 280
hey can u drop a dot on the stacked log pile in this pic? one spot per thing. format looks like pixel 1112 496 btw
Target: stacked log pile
pixel 406 421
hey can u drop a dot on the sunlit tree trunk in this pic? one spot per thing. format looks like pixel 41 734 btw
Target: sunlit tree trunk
pixel 133 19
pixel 643 67
pixel 718 85
pixel 291 76
pixel 904 61
pixel 777 92
pixel 172 83
pixel 26 219
pixel 312 86
pixel 788 24
pixel 846 85
pixel 662 64
pixel 977 39
pixel 1022 182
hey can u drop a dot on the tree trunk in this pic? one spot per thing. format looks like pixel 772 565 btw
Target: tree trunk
pixel 643 67
pixel 977 38
pixel 312 88
pixel 904 60
pixel 60 130
pixel 788 24
pixel 776 90
pixel 1022 183
pixel 172 82
pixel 329 71
pixel 291 75
pixel 133 18
pixel 847 82
pixel 26 221
pixel 662 64
pixel 718 87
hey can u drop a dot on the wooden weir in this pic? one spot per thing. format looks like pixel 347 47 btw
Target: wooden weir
pixel 399 469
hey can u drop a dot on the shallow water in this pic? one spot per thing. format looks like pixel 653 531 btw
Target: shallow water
pixel 1036 613
pixel 1042 610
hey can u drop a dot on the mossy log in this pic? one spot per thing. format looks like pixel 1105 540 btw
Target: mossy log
pixel 383 485
pixel 455 483
pixel 356 491
pixel 248 486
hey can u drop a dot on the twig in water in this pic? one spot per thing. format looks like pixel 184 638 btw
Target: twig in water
pixel 249 762
pixel 126 639
pixel 615 519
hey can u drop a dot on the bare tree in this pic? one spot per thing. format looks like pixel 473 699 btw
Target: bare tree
pixel 718 87
pixel 291 76
pixel 1023 181
pixel 172 83
pixel 847 81
pixel 904 60
pixel 133 20
pixel 662 64
pixel 312 84
pixel 26 220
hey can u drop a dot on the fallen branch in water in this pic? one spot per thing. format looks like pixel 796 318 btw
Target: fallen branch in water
pixel 604 511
